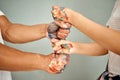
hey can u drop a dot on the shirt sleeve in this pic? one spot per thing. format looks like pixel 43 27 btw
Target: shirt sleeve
pixel 1 13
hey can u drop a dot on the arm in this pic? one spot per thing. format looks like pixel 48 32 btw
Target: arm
pixel 100 34
pixel 14 60
pixel 19 33
pixel 92 49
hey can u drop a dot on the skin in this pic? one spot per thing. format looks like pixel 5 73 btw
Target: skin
pixel 102 41
pixel 91 49
pixel 15 60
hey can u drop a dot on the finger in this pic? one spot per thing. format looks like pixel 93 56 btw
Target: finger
pixel 56 12
pixel 63 50
pixel 60 42
pixel 57 44
pixel 55 7
pixel 64 30
pixel 58 23
pixel 53 40
pixel 53 69
pixel 57 48
pixel 61 35
pixel 62 24
pixel 64 44
pixel 69 25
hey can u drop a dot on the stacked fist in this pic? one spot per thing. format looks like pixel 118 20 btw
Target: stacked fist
pixel 59 30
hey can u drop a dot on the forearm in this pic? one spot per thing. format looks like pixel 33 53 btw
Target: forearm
pixel 15 60
pixel 19 33
pixel 92 49
pixel 98 33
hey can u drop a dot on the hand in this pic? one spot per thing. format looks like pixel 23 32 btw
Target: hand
pixel 45 63
pixel 58 13
pixel 64 29
pixel 54 64
pixel 63 46
pixel 59 62
pixel 61 58
pixel 59 30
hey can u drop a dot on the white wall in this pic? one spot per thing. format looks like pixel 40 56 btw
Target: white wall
pixel 38 11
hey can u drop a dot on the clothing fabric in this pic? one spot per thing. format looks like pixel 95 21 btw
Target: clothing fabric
pixel 4 75
pixel 114 23
pixel 1 13
pixel 113 68
pixel 109 76
pixel 60 60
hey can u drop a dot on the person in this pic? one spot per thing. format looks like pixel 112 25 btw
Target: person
pixel 12 59
pixel 106 39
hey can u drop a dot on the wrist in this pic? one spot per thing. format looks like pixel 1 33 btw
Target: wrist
pixel 68 13
pixel 41 62
pixel 44 61
pixel 74 49
pixel 44 29
pixel 34 61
